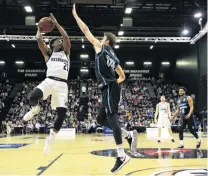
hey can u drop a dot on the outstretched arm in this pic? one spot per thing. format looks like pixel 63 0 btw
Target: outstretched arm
pixel 66 41
pixel 41 44
pixel 96 43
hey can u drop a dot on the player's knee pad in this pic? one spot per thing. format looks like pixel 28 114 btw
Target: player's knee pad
pixel 61 114
pixel 35 96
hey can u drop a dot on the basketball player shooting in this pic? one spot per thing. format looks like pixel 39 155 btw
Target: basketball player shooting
pixel 163 109
pixel 106 64
pixel 55 84
pixel 186 109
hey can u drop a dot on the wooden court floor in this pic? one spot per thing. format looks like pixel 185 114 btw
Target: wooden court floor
pixel 74 157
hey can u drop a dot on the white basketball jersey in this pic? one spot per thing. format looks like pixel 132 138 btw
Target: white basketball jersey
pixel 58 65
pixel 163 109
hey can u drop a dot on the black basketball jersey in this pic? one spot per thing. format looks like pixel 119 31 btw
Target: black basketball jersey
pixel 183 105
pixel 105 64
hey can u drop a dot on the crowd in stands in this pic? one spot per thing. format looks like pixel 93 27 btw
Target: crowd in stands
pixel 135 108
pixel 5 89
pixel 169 90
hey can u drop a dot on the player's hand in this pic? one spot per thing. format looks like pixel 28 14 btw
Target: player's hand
pixel 74 12
pixel 155 121
pixel 188 116
pixel 120 80
pixel 53 19
pixel 39 35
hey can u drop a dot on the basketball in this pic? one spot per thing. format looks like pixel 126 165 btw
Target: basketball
pixel 46 24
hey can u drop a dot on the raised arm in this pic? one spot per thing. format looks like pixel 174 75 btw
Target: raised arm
pixel 41 44
pixel 95 42
pixel 66 41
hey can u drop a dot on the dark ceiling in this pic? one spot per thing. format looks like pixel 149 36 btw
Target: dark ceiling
pixel 159 18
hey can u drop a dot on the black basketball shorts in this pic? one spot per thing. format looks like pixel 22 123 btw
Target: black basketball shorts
pixel 110 97
pixel 191 122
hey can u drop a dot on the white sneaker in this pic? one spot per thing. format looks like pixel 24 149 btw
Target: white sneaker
pixel 47 146
pixel 29 115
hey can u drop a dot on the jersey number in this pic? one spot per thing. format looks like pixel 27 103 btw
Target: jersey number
pixel 110 62
pixel 66 67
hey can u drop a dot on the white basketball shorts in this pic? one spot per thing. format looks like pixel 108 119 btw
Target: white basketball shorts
pixel 163 122
pixel 58 91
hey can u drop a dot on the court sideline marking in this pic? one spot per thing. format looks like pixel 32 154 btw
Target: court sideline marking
pixel 43 169
pixel 162 168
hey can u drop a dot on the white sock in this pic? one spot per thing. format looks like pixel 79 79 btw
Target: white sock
pixel 120 152
pixel 171 137
pixel 52 134
pixel 125 133
pixel 181 142
pixel 198 140
pixel 158 138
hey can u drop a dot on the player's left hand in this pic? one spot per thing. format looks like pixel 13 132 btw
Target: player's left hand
pixel 188 116
pixel 53 19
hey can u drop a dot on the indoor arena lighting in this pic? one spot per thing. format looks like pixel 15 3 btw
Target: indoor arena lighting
pixel 28 8
pixel 13 46
pixel 84 56
pixel 198 15
pixel 117 46
pixel 36 24
pixel 147 63
pixel 84 70
pixel 118 41
pixel 129 63
pixel 2 62
pixel 83 46
pixel 121 33
pixel 151 47
pixel 165 63
pixel 19 62
pixel 128 10
pixel 121 24
pixel 185 32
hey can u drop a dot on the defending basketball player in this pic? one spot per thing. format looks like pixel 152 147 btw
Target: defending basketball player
pixel 57 61
pixel 186 109
pixel 163 109
pixel 106 64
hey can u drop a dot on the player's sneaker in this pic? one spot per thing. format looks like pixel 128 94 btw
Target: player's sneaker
pixel 132 140
pixel 29 115
pixel 158 141
pixel 181 147
pixel 172 140
pixel 120 162
pixel 198 144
